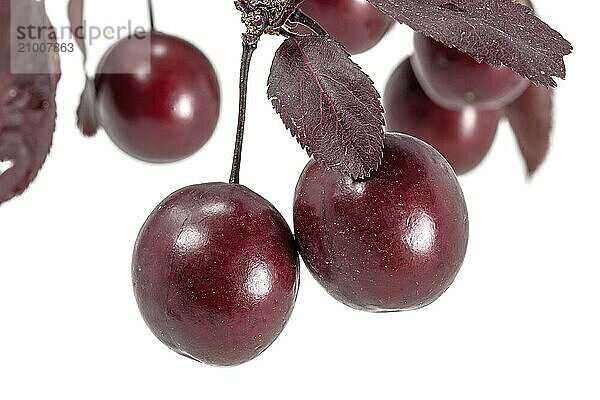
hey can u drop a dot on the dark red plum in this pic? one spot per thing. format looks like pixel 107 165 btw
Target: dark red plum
pixel 356 24
pixel 394 241
pixel 454 79
pixel 463 136
pixel 162 115
pixel 215 273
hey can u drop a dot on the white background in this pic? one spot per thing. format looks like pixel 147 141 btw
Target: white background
pixel 520 322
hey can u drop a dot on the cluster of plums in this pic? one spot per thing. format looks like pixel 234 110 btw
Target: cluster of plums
pixel 440 95
pixel 216 267
pixel 455 103
pixel 451 101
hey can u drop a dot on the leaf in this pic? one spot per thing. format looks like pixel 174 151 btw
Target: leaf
pixel 75 11
pixel 86 112
pixel 27 99
pixel 328 104
pixel 530 117
pixel 499 32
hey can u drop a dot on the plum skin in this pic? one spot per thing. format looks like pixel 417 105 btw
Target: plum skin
pixel 454 79
pixel 391 242
pixel 162 116
pixel 215 273
pixel 463 136
pixel 356 24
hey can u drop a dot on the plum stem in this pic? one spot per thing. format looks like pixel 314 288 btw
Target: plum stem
pixel 248 50
pixel 300 18
pixel 151 15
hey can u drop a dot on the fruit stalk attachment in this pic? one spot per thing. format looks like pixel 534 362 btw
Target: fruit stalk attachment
pixel 261 18
pixel 248 48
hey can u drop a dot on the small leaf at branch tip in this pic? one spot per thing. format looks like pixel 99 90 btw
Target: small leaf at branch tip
pixel 328 103
pixel 498 32
pixel 86 111
pixel 531 117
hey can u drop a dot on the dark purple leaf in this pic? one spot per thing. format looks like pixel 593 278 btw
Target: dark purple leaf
pixel 86 112
pixel 530 117
pixel 499 32
pixel 75 11
pixel 328 103
pixel 27 100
